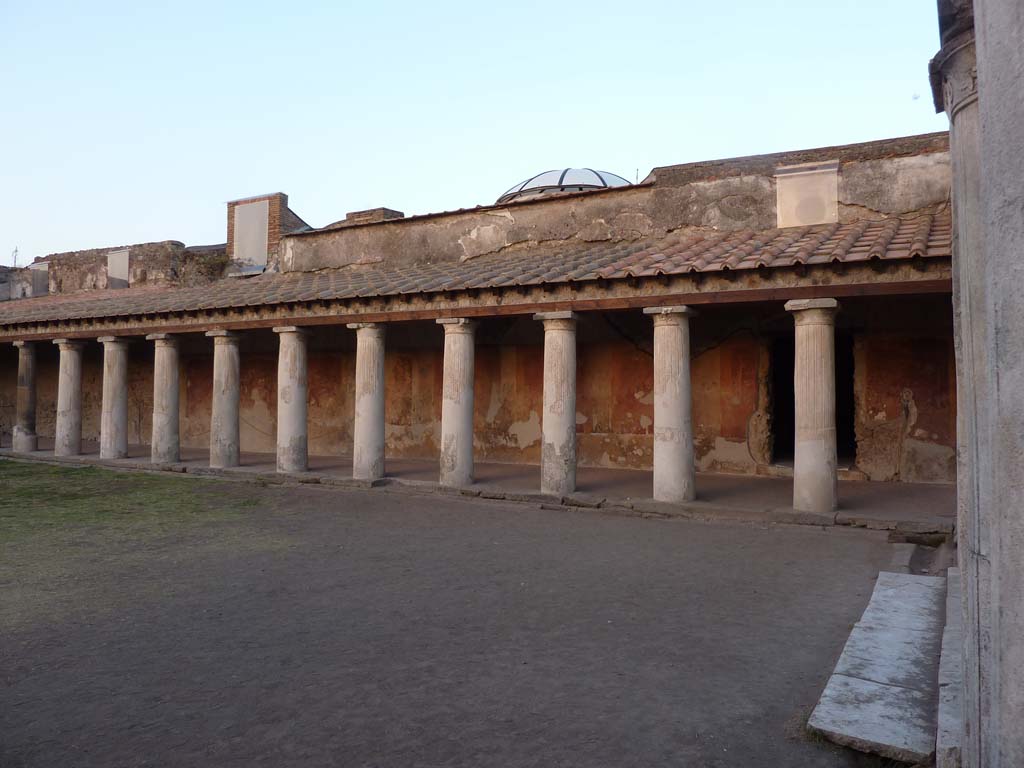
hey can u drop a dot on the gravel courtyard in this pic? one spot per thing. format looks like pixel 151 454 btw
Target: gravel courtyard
pixel 159 620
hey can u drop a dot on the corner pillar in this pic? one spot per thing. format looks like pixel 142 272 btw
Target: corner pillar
pixel 25 439
pixel 292 424
pixel 114 412
pixel 68 430
pixel 815 480
pixel 224 429
pixel 457 402
pixel 166 441
pixel 558 451
pixel 674 471
pixel 368 432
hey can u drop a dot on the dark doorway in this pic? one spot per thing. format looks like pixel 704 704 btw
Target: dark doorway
pixel 783 418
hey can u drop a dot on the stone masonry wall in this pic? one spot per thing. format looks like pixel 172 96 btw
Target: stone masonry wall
pixel 876 180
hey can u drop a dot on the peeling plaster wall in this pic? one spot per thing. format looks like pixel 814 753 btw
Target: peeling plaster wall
pixel 905 390
pixel 900 176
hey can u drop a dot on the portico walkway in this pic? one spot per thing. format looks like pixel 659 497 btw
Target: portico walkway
pixel 907 507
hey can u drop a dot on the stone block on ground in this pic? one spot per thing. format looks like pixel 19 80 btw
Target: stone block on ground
pixel 883 694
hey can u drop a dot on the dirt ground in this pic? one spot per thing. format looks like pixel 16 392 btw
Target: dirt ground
pixel 160 620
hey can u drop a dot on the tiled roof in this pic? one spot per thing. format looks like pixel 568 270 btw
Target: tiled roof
pixel 683 252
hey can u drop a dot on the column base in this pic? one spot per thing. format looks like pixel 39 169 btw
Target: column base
pixel 24 442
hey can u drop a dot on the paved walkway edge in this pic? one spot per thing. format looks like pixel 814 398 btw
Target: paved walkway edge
pixel 882 696
pixel 696 510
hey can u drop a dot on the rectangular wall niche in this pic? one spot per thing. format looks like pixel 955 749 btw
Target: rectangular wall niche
pixel 117 269
pixel 807 194
pixel 251 227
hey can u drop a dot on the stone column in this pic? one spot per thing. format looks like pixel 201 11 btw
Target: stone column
pixel 114 413
pixel 368 448
pixel 999 25
pixel 457 402
pixel 674 473
pixel 815 482
pixel 954 74
pixel 558 451
pixel 166 442
pixel 292 428
pixel 68 430
pixel 224 439
pixel 25 439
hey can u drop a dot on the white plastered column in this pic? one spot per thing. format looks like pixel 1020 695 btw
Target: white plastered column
pixel 457 402
pixel 292 387
pixel 815 481
pixel 166 441
pixel 68 429
pixel 368 431
pixel 114 411
pixel 224 427
pixel 558 450
pixel 674 471
pixel 24 439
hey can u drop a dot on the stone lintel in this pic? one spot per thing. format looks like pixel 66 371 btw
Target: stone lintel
pixel 799 305
pixel 564 315
pixel 679 309
pixel 291 329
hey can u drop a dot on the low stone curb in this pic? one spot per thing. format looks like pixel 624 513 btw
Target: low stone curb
pixel 648 508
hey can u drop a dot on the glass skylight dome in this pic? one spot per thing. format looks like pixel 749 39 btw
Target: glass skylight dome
pixel 566 180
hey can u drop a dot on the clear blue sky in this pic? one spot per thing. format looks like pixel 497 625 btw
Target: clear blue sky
pixel 122 123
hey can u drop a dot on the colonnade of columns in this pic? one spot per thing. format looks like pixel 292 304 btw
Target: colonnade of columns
pixel 814 473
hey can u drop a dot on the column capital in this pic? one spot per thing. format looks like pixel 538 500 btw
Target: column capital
pixel 813 311
pixel 679 309
pixel 23 344
pixel 69 343
pixel 221 336
pixel 113 340
pixel 168 338
pixel 565 315
pixel 364 326
pixel 296 329
pixel 457 324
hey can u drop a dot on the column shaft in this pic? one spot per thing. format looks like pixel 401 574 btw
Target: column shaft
pixel 558 450
pixel 68 430
pixel 224 429
pixel 674 472
pixel 166 442
pixel 292 426
pixel 114 412
pixel 815 482
pixel 25 439
pixel 368 448
pixel 457 402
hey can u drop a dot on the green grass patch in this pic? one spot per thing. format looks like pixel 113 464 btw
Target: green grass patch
pixel 37 498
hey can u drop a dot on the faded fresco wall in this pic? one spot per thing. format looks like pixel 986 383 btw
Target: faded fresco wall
pixel 903 380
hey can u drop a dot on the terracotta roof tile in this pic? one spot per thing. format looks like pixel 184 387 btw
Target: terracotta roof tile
pixel 923 236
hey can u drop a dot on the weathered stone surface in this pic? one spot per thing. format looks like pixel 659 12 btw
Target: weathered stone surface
pixel 883 694
pixel 872 717
pixel 951 679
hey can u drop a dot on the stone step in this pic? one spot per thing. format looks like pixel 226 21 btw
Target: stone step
pixel 882 696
